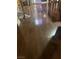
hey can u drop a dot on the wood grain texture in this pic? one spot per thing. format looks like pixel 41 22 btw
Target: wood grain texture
pixel 34 39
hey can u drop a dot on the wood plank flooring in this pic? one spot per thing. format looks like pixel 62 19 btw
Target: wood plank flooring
pixel 34 35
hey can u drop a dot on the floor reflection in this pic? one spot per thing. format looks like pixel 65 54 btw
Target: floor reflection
pixel 37 30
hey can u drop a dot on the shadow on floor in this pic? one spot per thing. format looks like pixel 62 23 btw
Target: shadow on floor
pixel 53 49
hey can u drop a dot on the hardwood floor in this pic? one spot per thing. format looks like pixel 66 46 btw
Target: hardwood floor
pixel 34 35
